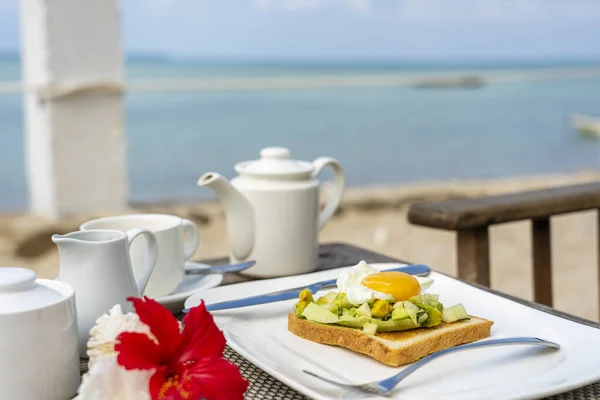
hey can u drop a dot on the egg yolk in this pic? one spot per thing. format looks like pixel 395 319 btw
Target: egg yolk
pixel 400 285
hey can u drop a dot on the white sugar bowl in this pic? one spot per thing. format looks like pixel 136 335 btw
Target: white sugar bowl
pixel 39 357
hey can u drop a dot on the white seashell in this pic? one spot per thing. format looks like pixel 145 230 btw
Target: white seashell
pixel 104 334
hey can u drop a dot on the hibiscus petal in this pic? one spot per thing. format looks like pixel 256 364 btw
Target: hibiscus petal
pixel 217 379
pixel 161 321
pixel 137 351
pixel 156 383
pixel 201 337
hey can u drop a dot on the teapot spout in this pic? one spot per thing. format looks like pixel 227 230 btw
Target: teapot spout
pixel 238 213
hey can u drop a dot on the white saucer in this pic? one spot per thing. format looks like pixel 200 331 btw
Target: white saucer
pixel 191 284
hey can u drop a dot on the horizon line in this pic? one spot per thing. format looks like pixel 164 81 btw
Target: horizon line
pixel 140 56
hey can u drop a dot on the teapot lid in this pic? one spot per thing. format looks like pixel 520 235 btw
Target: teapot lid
pixel 20 291
pixel 275 162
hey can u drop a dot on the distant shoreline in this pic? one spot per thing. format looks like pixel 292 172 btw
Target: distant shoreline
pixel 326 81
pixel 307 61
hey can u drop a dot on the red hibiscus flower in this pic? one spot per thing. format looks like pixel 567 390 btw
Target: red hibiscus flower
pixel 188 364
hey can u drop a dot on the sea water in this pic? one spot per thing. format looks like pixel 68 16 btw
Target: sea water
pixel 381 135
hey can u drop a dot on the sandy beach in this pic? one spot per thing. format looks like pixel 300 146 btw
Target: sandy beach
pixel 376 218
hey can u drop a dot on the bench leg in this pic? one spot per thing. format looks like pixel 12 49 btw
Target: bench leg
pixel 542 261
pixel 474 255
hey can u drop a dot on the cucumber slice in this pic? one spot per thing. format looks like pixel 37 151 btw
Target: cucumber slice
pixel 317 313
pixel 398 304
pixel 399 313
pixel 432 299
pixel 428 299
pixel 416 299
pixel 455 313
pixel 412 311
pixel 331 297
pixel 370 328
pixel 422 318
pixel 364 310
pixel 329 307
pixel 342 301
pixel 353 322
pixel 395 326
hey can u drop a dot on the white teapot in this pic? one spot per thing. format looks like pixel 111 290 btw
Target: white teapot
pixel 272 211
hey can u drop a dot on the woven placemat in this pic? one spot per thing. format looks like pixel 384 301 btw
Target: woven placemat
pixel 264 387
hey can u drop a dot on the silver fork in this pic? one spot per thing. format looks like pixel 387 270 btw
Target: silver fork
pixel 387 385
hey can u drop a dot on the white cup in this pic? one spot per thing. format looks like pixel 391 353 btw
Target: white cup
pixel 173 248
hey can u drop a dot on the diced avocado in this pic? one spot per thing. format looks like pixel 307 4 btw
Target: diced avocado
pixel 306 295
pixel 455 313
pixel 395 326
pixel 364 310
pixel 352 311
pixel 317 313
pixel 380 309
pixel 434 316
pixel 412 311
pixel 299 308
pixel 439 306
pixel 370 328
pixel 399 313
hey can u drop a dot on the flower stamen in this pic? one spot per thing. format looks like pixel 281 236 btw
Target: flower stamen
pixel 178 384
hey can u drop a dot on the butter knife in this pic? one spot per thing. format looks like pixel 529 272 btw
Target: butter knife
pixel 415 269
pixel 219 269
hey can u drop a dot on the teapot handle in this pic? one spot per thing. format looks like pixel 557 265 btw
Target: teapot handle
pixel 339 182
pixel 151 255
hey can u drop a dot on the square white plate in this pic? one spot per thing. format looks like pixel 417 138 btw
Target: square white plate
pixel 260 334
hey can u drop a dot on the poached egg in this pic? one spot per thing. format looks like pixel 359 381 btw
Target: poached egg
pixel 363 283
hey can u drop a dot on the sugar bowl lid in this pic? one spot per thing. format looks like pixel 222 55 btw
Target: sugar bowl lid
pixel 275 162
pixel 21 291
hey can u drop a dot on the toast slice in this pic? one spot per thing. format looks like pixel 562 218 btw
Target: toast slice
pixel 393 348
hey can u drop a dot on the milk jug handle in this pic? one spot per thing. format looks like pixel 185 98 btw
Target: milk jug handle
pixel 151 255
pixel 338 187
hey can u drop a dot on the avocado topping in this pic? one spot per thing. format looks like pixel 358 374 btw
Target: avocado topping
pixel 420 311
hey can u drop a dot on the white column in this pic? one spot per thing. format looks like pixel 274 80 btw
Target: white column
pixel 73 74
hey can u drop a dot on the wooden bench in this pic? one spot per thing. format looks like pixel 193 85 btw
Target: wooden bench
pixel 470 219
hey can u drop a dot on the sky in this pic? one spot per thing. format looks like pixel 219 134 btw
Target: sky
pixel 352 29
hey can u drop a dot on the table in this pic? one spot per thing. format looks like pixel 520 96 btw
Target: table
pixel 335 255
